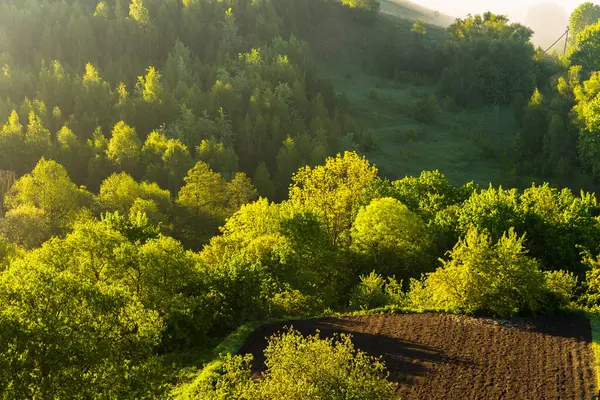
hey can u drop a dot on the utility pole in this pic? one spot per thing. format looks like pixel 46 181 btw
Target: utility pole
pixel 566 41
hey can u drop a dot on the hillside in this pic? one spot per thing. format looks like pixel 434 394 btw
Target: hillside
pixel 175 173
pixel 411 11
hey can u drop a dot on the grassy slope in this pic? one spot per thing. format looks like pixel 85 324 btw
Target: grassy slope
pixel 467 145
pixel 411 11
pixel 595 326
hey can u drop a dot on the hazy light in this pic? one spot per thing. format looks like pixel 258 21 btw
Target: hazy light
pixel 516 9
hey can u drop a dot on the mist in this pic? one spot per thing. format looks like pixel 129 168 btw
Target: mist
pixel 548 19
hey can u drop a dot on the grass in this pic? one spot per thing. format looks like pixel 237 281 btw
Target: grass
pixel 464 145
pixel 411 11
pixel 595 326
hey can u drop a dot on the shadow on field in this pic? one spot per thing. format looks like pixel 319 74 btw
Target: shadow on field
pixel 564 326
pixel 412 359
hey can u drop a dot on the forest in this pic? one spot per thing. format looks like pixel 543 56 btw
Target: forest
pixel 171 170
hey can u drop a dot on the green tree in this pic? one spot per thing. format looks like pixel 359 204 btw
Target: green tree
pixel 334 192
pixel 369 5
pixel 7 178
pixel 586 50
pixel 263 182
pixel 394 239
pixel 48 188
pixel 26 226
pixel 489 60
pixel 48 314
pixel 124 148
pixel 12 145
pixel 584 15
pixel 220 158
pixel 37 139
pixel 498 278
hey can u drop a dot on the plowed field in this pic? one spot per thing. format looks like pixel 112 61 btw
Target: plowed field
pixel 438 356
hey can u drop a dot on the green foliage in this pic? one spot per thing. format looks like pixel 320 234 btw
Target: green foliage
pixel 489 60
pixel 294 303
pixel 302 368
pixel 393 238
pixel 499 278
pixel 369 5
pixel 48 189
pixel 423 107
pixel 584 15
pixel 374 292
pixel 561 287
pixel 124 148
pixel 48 314
pixel 334 192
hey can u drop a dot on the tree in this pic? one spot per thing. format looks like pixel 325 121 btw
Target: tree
pixel 263 182
pixel 48 188
pixel 586 52
pixel 334 192
pixel 26 226
pixel 12 145
pixel 7 178
pixel 584 15
pixel 369 5
pixel 220 158
pixel 37 139
pixel 47 315
pixel 489 60
pixel 204 202
pixel 124 147
pixel 120 192
pixel 204 191
pixel 482 276
pixel 395 239
pixel 139 13
pixel 240 191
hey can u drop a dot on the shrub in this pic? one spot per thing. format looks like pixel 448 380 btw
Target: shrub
pixel 412 133
pixel 374 292
pixel 591 297
pixel 307 368
pixel 423 107
pixel 369 293
pixel 374 94
pixel 293 303
pixel 561 287
pixel 480 276
pixel 450 104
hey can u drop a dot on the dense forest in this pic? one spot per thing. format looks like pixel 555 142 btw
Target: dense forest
pixel 173 169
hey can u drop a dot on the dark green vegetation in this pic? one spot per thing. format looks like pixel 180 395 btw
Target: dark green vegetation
pixel 164 178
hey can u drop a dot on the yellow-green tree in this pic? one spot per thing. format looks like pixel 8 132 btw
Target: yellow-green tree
pixel 334 192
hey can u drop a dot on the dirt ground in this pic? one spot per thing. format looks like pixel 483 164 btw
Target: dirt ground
pixel 439 356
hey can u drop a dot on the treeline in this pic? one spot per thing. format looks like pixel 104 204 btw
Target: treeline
pixel 151 87
pixel 97 309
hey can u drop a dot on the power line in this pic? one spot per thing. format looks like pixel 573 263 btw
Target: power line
pixel 558 40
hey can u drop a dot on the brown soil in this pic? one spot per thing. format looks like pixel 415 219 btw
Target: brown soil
pixel 439 356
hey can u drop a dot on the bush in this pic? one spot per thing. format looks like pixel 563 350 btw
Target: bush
pixel 374 292
pixel 293 303
pixel 369 293
pixel 413 133
pixel 561 287
pixel 374 94
pixel 450 104
pixel 498 279
pixel 423 107
pixel 302 368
